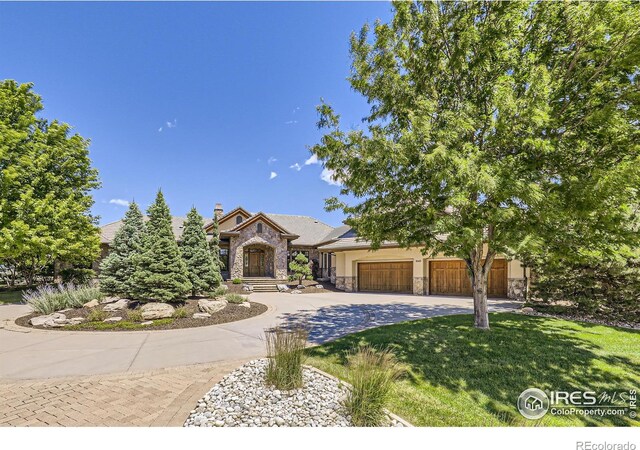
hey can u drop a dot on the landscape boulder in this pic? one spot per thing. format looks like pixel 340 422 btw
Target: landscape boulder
pixel 247 288
pixel 106 300
pixel 527 310
pixel 113 319
pixel 117 306
pixel 152 311
pixel 50 320
pixel 211 306
pixel 282 287
pixel 91 304
pixel 201 315
pixel 296 291
pixel 319 286
pixel 300 286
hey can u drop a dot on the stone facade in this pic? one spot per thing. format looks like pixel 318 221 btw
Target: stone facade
pixel 270 240
pixel 332 275
pixel 351 284
pixel 419 285
pixel 516 288
pixel 339 283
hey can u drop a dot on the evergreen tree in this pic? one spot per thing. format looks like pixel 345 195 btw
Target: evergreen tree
pixel 161 273
pixel 300 267
pixel 117 269
pixel 195 252
pixel 214 246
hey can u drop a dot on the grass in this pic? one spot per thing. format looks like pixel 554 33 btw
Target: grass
pixel 122 325
pixel 235 299
pixel 180 313
pixel 97 315
pixel 285 350
pixel 459 376
pixel 371 373
pixel 11 297
pixel 47 299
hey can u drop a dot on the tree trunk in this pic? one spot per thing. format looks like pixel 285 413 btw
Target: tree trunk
pixel 480 307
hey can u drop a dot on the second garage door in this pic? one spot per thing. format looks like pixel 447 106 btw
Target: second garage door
pixel 386 277
pixel 452 278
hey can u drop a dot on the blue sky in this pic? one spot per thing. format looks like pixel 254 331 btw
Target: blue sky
pixel 204 100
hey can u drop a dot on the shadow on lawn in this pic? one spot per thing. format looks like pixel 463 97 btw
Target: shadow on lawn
pixel 494 367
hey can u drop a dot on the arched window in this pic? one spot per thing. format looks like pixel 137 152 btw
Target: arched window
pixel 259 228
pixel 238 219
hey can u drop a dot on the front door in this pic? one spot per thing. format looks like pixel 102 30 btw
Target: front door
pixel 254 263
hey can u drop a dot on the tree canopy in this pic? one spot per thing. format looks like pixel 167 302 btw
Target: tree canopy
pixel 494 127
pixel 45 182
pixel 197 256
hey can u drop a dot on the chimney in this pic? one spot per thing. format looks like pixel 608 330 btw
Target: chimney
pixel 217 211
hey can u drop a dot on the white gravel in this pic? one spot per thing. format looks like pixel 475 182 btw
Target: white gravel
pixel 242 399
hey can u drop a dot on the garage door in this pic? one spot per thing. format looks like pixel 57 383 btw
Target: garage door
pixel 452 278
pixel 386 277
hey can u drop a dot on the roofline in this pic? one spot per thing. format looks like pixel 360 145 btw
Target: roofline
pixel 225 216
pixel 368 247
pixel 266 218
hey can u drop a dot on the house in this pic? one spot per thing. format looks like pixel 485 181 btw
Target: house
pixel 261 245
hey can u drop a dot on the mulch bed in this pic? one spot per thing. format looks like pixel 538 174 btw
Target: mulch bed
pixel 569 312
pixel 310 287
pixel 231 313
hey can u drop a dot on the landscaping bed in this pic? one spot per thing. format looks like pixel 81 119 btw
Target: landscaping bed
pixel 311 287
pixel 570 311
pixel 461 376
pixel 131 321
pixel 243 399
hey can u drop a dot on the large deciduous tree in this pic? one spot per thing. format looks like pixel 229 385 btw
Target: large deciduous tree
pixel 45 183
pixel 494 126
pixel 197 256
pixel 161 273
pixel 118 267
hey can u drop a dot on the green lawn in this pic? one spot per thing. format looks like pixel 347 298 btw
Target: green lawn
pixel 8 297
pixel 460 376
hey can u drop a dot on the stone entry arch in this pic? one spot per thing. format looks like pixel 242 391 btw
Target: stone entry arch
pixel 258 261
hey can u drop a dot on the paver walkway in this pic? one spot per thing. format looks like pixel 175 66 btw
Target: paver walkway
pixel 155 377
pixel 153 398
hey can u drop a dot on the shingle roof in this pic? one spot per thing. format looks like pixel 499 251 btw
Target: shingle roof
pixel 353 243
pixel 108 231
pixel 310 230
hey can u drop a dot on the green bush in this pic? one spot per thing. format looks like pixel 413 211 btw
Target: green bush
pixel 180 313
pixel 218 292
pixel 135 315
pixel 300 267
pixel 97 315
pixel 235 299
pixel 371 374
pixel 77 276
pixel 237 281
pixel 48 299
pixel 285 350
pixel 596 287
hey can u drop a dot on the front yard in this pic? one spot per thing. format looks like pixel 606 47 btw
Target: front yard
pixel 460 376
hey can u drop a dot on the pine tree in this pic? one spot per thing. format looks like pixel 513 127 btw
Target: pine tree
pixel 214 246
pixel 197 256
pixel 300 267
pixel 161 273
pixel 117 269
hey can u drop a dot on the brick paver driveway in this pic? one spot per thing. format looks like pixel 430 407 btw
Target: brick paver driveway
pixel 155 377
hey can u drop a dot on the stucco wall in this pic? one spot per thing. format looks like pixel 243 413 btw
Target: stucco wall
pixel 346 264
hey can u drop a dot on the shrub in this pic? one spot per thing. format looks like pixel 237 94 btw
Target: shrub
pixel 78 276
pixel 135 315
pixel 235 299
pixel 218 292
pixel 371 374
pixel 300 267
pixel 237 281
pixel 180 313
pixel 48 299
pixel 97 315
pixel 285 350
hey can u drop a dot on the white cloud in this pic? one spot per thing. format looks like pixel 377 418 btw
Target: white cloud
pixel 271 160
pixel 328 176
pixel 296 109
pixel 168 124
pixel 119 202
pixel 291 122
pixel 273 175
pixel 296 166
pixel 160 130
pixel 313 159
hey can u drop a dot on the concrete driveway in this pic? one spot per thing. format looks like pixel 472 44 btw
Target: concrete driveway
pixel 38 354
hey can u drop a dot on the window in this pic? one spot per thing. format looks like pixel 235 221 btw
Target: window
pixel 238 220
pixel 224 258
pixel 259 228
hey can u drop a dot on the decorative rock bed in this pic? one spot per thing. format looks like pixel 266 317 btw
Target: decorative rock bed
pixel 242 399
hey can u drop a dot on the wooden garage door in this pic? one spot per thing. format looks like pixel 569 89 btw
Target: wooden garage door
pixel 386 277
pixel 452 278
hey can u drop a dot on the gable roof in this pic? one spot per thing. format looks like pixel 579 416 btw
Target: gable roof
pixel 238 210
pixel 310 231
pixel 265 218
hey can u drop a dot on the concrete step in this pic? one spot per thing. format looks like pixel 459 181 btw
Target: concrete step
pixel 265 288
